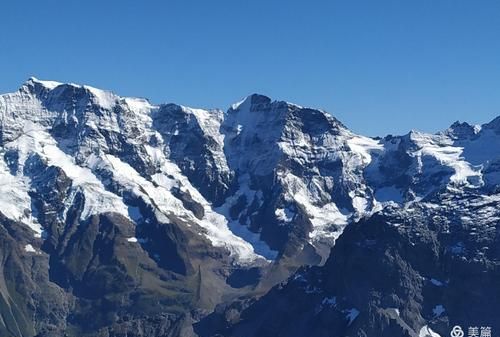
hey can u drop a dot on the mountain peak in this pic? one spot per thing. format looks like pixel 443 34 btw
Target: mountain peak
pixel 461 130
pixel 251 100
pixel 104 98
pixel 36 83
pixel 494 124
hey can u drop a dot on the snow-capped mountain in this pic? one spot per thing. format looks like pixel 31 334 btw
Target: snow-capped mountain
pixel 155 214
pixel 253 173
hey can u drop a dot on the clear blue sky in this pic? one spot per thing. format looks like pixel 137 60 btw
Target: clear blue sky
pixel 380 66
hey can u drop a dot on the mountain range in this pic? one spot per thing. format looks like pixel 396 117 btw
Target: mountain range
pixel 119 217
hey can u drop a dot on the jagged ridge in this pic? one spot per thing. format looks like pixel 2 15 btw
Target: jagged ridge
pixel 216 204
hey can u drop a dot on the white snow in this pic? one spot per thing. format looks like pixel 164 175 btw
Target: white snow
pixel 133 239
pixel 237 105
pixel 15 203
pixel 105 99
pixel 215 224
pixel 47 84
pixel 364 146
pixel 138 104
pixel 210 123
pixel 284 214
pixel 441 148
pixel 251 147
pixel 241 230
pixel 279 139
pixel 97 198
pixel 29 249
pixel 359 203
pixel 327 220
pixel 393 311
pixel 427 332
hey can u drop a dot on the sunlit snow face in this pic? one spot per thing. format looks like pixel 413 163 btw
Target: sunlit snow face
pixel 321 170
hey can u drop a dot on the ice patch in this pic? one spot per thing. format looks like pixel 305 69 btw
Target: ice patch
pixel 29 248
pixel 393 311
pixel 427 332
pixel 364 146
pixel 237 105
pixel 105 99
pixel 437 283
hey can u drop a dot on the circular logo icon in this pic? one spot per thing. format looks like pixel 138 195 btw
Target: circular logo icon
pixel 457 331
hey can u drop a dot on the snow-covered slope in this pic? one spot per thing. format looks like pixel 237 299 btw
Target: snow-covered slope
pixel 87 133
pixel 270 177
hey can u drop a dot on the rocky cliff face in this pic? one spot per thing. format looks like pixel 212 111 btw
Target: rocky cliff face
pixel 123 218
pixel 412 271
